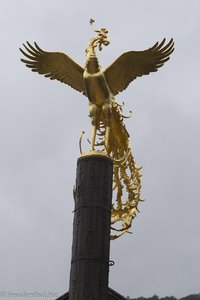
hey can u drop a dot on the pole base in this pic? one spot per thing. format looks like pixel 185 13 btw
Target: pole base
pixel 112 295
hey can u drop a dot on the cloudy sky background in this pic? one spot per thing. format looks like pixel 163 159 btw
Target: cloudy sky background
pixel 40 123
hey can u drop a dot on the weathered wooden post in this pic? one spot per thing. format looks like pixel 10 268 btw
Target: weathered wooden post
pixel 89 275
pixel 91 229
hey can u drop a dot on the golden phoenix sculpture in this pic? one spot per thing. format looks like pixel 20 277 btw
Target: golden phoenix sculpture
pixel 100 86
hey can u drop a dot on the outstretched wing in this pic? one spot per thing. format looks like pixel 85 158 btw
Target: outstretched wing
pixel 55 65
pixel 133 64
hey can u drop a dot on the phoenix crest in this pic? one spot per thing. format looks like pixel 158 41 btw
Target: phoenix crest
pixel 100 85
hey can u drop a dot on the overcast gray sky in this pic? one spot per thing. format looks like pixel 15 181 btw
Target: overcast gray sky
pixel 40 123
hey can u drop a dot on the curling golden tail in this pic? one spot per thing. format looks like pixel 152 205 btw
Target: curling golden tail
pixel 126 175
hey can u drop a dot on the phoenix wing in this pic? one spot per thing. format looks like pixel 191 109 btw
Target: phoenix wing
pixel 55 65
pixel 133 64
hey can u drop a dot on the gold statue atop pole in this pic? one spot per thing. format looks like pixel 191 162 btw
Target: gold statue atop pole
pixel 100 86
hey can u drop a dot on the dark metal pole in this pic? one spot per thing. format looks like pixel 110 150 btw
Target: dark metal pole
pixel 91 229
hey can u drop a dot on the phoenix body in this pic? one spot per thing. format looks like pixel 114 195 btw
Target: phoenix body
pixel 100 86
